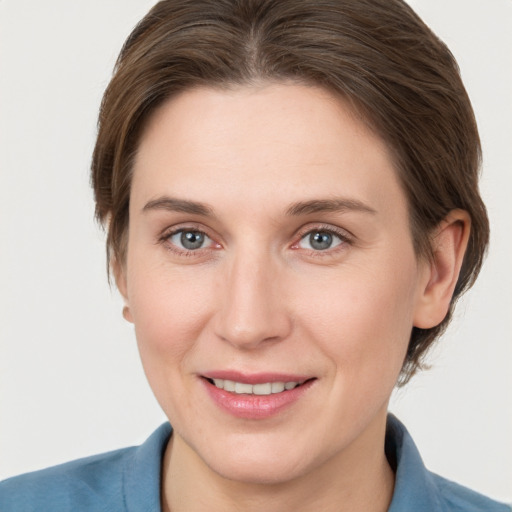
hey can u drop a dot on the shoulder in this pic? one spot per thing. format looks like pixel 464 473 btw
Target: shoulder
pixel 418 489
pixel 457 498
pixel 126 479
pixel 93 483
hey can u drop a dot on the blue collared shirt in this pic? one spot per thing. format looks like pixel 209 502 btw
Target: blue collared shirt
pixel 128 480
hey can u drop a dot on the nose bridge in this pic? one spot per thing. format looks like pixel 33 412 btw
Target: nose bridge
pixel 251 310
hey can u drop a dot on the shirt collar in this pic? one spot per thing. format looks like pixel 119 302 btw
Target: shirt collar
pixel 142 473
pixel 414 486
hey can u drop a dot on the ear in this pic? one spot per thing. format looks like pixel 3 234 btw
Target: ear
pixel 442 272
pixel 119 271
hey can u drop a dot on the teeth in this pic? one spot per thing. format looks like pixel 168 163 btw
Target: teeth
pixel 228 385
pixel 262 389
pixel 266 388
pixel 277 387
pixel 241 388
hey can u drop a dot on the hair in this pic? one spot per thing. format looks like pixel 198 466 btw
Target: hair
pixel 376 54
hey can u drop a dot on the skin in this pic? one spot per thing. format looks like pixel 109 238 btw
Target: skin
pixel 258 297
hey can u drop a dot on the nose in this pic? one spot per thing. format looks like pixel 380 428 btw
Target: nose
pixel 253 309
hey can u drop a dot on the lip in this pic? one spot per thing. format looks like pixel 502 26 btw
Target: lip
pixel 255 378
pixel 255 407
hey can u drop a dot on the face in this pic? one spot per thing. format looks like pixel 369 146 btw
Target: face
pixel 271 277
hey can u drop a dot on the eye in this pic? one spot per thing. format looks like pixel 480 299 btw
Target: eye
pixel 189 239
pixel 320 240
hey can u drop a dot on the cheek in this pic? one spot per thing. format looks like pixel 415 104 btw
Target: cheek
pixel 362 319
pixel 169 310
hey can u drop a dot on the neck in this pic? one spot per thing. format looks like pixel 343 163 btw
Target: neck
pixel 358 480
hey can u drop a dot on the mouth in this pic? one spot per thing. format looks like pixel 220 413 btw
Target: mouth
pixel 256 397
pixel 261 389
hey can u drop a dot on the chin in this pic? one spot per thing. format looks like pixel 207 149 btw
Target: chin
pixel 257 461
pixel 257 472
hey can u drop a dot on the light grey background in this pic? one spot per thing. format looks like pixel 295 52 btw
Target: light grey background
pixel 70 380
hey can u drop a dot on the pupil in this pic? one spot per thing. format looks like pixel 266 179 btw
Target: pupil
pixel 320 241
pixel 192 239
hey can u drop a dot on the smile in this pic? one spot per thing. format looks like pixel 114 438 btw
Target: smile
pixel 265 388
pixel 256 396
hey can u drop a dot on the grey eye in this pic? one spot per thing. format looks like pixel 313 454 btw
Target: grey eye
pixel 320 241
pixel 189 240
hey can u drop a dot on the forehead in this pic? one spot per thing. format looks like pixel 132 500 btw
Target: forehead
pixel 284 142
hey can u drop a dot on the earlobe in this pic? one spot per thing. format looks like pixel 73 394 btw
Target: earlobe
pixel 442 271
pixel 127 315
pixel 119 271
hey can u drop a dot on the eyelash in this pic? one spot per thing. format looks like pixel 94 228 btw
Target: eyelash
pixel 344 236
pixel 165 238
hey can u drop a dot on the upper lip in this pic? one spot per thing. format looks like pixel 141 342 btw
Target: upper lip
pixel 255 378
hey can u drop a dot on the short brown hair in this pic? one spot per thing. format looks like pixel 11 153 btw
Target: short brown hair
pixel 377 54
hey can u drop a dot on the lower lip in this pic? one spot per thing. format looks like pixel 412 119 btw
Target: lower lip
pixel 255 407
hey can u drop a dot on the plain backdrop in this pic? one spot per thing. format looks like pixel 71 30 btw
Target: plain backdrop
pixel 70 380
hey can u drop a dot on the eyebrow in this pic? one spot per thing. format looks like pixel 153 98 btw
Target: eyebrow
pixel 300 208
pixel 172 204
pixel 329 205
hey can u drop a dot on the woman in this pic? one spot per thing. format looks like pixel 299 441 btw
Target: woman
pixel 290 191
